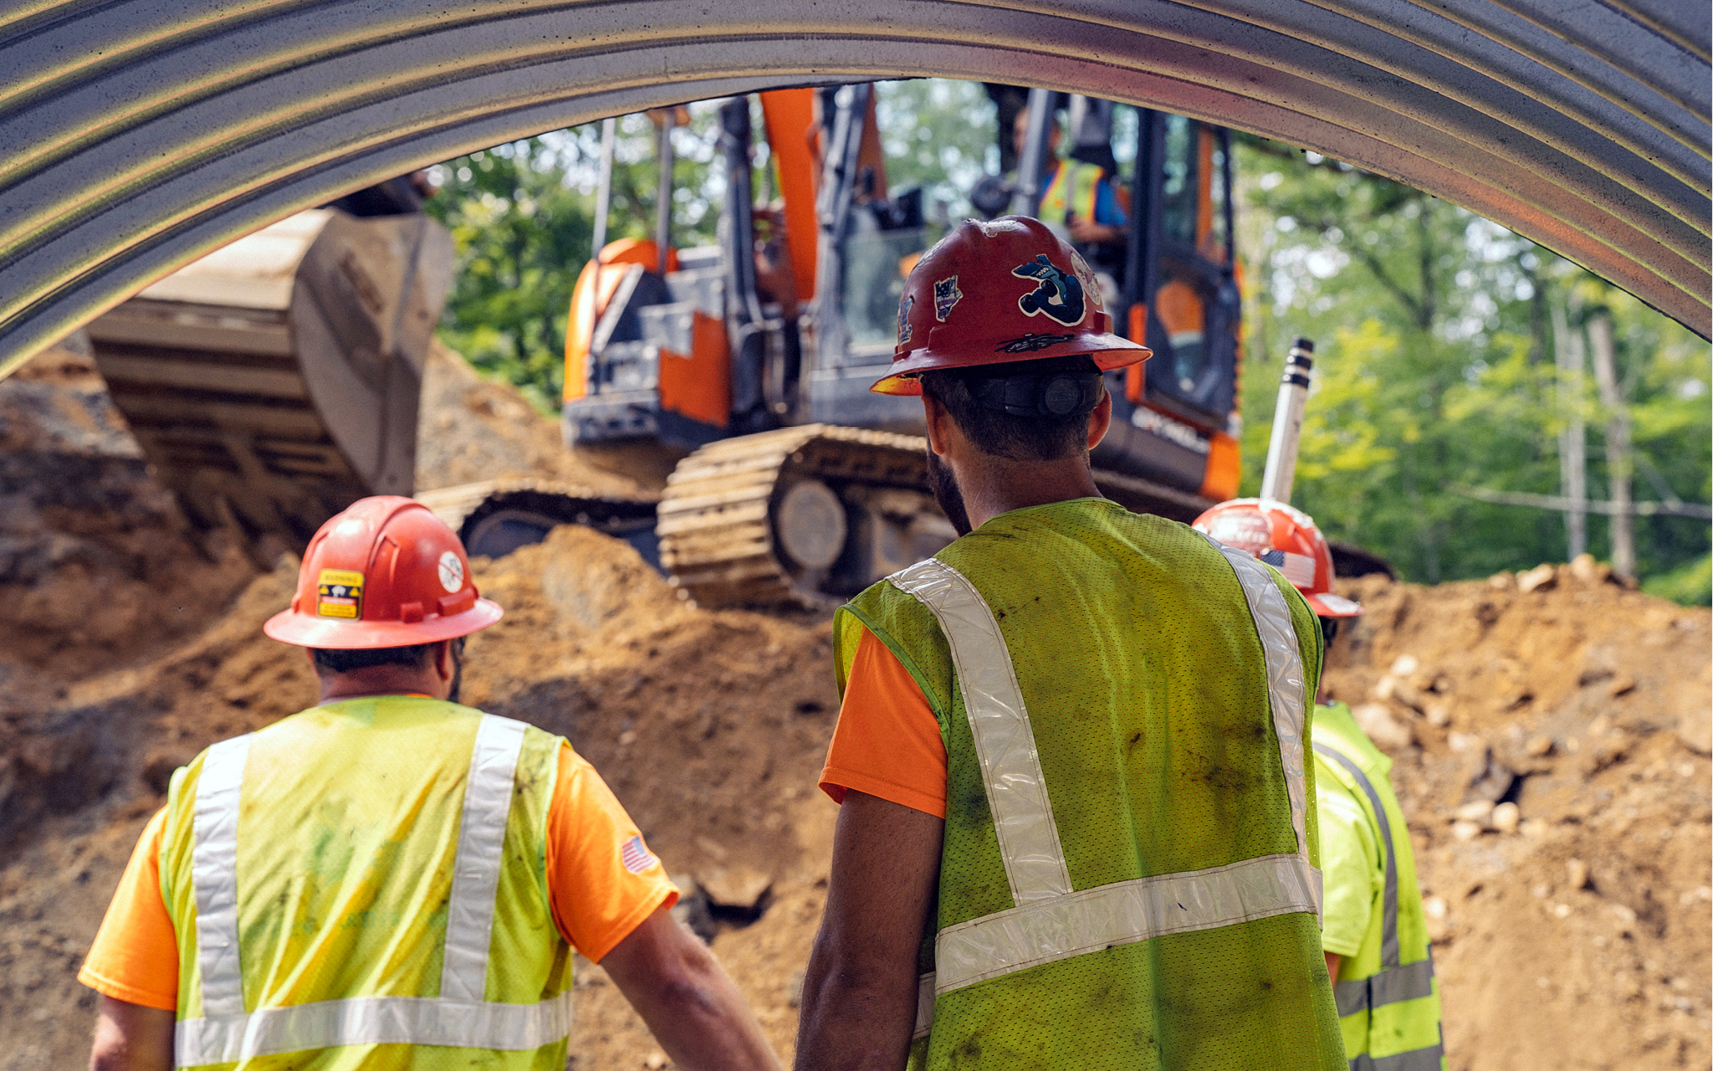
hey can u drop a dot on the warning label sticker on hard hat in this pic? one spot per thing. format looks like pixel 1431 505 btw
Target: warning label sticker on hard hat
pixel 339 593
pixel 451 571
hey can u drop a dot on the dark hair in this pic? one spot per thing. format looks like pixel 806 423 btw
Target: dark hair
pixel 330 661
pixel 1003 434
pixel 1328 628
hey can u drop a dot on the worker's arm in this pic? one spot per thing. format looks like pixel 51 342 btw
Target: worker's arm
pixel 859 992
pixel 687 999
pixel 130 1037
pixel 1332 959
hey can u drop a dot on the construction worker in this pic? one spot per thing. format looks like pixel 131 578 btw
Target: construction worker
pixel 389 879
pixel 1075 827
pixel 1078 196
pixel 1373 931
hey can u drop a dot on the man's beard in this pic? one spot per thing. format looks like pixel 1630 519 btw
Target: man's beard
pixel 457 670
pixel 947 493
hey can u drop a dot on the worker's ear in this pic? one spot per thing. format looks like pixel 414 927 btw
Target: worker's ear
pixel 1100 420
pixel 445 663
pixel 939 420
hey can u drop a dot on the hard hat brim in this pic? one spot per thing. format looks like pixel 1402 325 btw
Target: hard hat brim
pixel 1327 604
pixel 1109 351
pixel 335 634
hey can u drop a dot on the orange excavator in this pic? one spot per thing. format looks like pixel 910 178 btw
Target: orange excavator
pixel 275 380
pixel 751 360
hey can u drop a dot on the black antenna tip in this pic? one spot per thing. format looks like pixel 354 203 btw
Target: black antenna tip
pixel 1303 344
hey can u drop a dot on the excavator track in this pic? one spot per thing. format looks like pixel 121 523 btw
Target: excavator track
pixel 495 517
pixel 720 521
pixel 810 515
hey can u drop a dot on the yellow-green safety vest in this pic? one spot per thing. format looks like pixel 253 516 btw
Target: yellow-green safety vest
pixel 364 884
pixel 1128 873
pixel 1075 186
pixel 1388 998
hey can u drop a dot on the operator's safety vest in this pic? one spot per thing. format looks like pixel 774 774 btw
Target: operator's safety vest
pixel 1388 999
pixel 1074 188
pixel 364 884
pixel 1128 873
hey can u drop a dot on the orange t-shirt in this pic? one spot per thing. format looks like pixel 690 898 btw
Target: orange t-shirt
pixel 596 899
pixel 887 742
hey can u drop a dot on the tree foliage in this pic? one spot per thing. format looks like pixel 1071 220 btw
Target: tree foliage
pixel 1435 373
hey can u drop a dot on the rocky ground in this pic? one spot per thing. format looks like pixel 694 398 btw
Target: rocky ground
pixel 1550 733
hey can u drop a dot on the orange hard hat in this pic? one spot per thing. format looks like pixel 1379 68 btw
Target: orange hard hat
pixel 999 291
pixel 1286 539
pixel 384 573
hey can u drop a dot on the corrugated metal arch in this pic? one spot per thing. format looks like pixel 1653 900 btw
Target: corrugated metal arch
pixel 143 133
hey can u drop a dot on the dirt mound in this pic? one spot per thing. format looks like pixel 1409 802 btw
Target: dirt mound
pixel 475 429
pixel 94 554
pixel 1579 938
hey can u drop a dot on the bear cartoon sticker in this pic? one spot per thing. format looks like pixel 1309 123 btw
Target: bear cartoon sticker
pixel 1059 295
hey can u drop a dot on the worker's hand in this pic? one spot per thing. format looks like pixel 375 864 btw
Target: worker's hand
pixel 687 999
pixel 130 1037
pixel 1087 230
pixel 859 991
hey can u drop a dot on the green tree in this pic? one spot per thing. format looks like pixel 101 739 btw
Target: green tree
pixel 521 217
pixel 1435 373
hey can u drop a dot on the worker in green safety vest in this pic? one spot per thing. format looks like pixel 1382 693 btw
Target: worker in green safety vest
pixel 1076 827
pixel 1374 932
pixel 390 881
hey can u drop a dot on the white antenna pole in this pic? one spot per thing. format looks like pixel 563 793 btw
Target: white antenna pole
pixel 1288 423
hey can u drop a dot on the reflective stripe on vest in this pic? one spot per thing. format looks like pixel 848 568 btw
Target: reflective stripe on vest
pixel 1050 921
pixel 1395 982
pixel 458 1017
pixel 1075 188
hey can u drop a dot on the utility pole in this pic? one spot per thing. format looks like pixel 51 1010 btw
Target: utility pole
pixel 1572 445
pixel 1619 465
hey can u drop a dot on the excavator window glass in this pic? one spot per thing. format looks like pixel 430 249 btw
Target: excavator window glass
pixel 1178 192
pixel 874 281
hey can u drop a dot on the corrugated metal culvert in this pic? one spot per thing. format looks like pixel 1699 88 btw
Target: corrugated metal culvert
pixel 139 134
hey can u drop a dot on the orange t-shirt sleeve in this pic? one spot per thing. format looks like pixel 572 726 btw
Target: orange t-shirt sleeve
pixel 601 877
pixel 135 955
pixel 887 742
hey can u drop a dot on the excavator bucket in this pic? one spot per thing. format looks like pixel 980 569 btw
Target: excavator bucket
pixel 276 380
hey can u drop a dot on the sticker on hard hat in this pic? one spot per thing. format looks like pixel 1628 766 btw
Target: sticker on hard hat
pixel 339 593
pixel 905 330
pixel 451 571
pixel 946 297
pixel 1059 295
pixel 1298 568
pixel 1031 343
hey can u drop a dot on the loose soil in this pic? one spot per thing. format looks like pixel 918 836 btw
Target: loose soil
pixel 1578 940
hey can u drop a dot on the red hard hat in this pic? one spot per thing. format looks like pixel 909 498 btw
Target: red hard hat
pixel 384 573
pixel 998 291
pixel 1284 538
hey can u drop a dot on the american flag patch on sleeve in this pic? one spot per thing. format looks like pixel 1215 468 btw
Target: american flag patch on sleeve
pixel 635 856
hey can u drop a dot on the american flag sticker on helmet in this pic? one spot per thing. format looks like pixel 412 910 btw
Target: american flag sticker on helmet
pixel 635 856
pixel 1298 568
